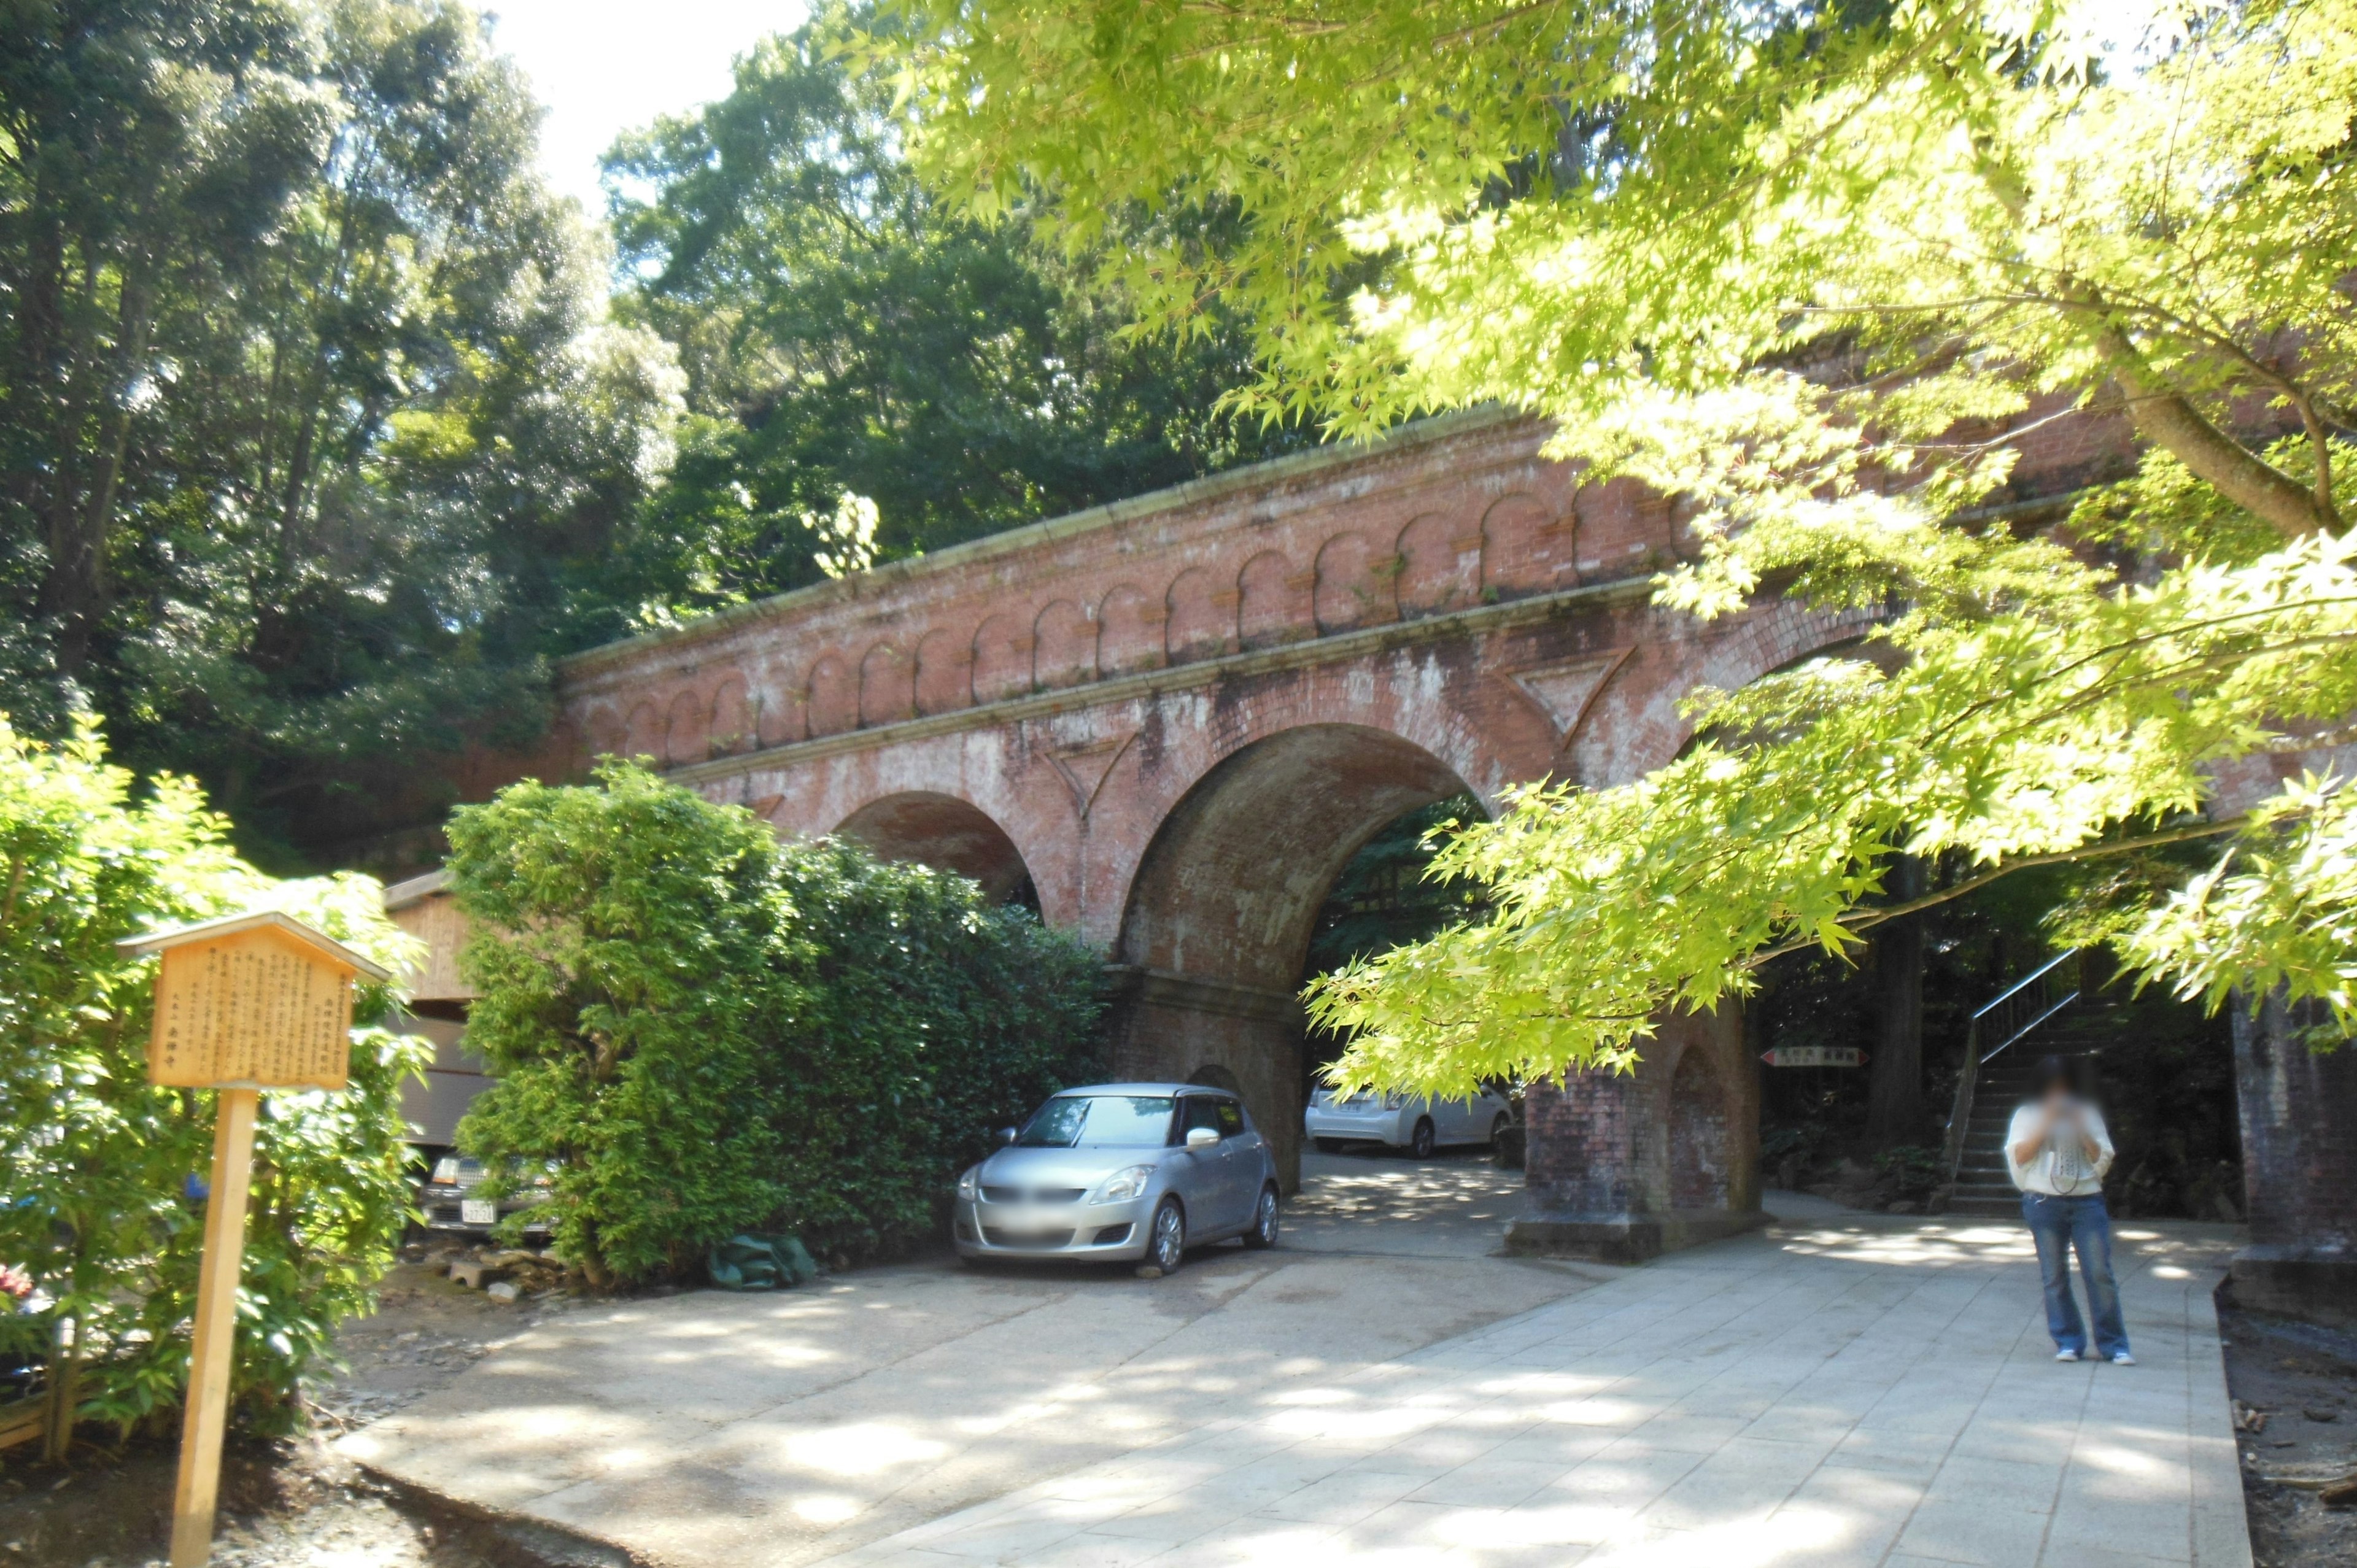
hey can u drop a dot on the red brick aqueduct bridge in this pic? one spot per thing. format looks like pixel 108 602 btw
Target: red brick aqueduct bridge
pixel 1177 717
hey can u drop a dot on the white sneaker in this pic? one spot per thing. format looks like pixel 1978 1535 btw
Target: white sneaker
pixel 2066 1355
pixel 2123 1359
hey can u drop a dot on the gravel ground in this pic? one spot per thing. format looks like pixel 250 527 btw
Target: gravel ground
pixel 292 1504
pixel 2295 1388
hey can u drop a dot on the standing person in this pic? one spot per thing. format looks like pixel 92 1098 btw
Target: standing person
pixel 2057 1150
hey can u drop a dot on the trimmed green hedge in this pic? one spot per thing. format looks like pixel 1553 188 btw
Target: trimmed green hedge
pixel 706 1031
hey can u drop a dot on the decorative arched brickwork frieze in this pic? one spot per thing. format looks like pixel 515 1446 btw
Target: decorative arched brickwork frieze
pixel 685 727
pixel 732 726
pixel 1203 615
pixel 1129 630
pixel 944 671
pixel 1273 602
pixel 834 696
pixel 1439 566
pixel 643 735
pixel 1002 658
pixel 1356 584
pixel 887 686
pixel 1064 646
pixel 607 732
pixel 1523 548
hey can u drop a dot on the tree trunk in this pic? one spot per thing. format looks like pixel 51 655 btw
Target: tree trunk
pixel 1895 1086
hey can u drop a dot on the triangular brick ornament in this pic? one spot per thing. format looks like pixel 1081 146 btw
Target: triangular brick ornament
pixel 1086 768
pixel 1564 692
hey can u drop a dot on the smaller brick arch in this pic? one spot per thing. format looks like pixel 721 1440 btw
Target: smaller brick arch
pixel 732 727
pixel 945 673
pixel 643 735
pixel 1002 660
pixel 833 696
pixel 1700 1141
pixel 1520 545
pixel 887 686
pixel 781 709
pixel 685 727
pixel 1129 630
pixel 1202 616
pixel 1064 646
pixel 1439 566
pixel 1272 602
pixel 1355 585
pixel 608 735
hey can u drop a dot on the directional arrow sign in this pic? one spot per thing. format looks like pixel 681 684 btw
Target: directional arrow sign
pixel 1814 1055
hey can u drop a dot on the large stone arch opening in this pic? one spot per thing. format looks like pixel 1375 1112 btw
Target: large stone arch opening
pixel 945 831
pixel 1219 914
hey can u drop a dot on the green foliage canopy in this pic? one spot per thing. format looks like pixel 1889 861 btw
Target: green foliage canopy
pixel 93 1160
pixel 307 394
pixel 704 1031
pixel 844 332
pixel 1817 270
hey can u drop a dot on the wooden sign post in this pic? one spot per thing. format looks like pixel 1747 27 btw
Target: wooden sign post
pixel 242 1005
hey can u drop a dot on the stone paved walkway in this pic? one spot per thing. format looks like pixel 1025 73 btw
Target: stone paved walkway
pixel 1862 1392
pixel 1838 1389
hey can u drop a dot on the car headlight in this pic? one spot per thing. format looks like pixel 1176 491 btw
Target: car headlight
pixel 1394 1100
pixel 1123 1184
pixel 970 1183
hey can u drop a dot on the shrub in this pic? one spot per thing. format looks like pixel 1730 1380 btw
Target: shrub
pixel 703 1031
pixel 95 1163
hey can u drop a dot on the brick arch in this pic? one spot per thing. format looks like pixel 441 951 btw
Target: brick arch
pixel 834 701
pixel 1064 645
pixel 780 706
pixel 1273 602
pixel 1201 620
pixel 886 685
pixel 732 725
pixel 1129 630
pixel 1698 1128
pixel 945 831
pixel 607 730
pixel 1440 564
pixel 944 671
pixel 1002 658
pixel 1219 916
pixel 1518 547
pixel 686 730
pixel 643 735
pixel 1356 585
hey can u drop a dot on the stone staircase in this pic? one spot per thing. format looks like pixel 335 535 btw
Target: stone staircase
pixel 2039 1016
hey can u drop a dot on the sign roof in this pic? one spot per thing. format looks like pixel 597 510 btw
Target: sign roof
pixel 259 920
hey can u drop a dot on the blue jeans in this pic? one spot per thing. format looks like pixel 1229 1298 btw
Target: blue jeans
pixel 2059 1224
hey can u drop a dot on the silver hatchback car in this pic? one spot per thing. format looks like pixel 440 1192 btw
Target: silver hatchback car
pixel 1121 1172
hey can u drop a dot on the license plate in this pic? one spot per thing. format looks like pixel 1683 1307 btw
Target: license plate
pixel 477 1211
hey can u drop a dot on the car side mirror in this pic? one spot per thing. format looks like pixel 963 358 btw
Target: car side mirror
pixel 1006 1136
pixel 1202 1137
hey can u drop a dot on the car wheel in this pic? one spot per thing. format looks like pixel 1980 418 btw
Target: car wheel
pixel 1165 1242
pixel 1328 1145
pixel 1424 1140
pixel 1498 1128
pixel 1263 1226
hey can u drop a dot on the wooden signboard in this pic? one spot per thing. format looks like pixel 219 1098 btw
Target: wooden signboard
pixel 242 1005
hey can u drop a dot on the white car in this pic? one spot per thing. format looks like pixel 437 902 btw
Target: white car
pixel 1400 1122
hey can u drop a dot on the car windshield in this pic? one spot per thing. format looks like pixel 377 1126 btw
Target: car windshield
pixel 1122 1120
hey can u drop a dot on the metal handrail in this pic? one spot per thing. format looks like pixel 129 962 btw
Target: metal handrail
pixel 2049 999
pixel 2016 1011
